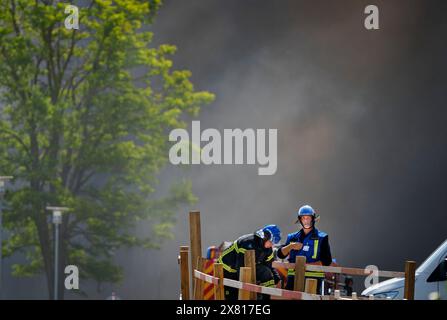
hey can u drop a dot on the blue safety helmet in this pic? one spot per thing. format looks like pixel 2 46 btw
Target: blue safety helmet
pixel 270 232
pixel 306 210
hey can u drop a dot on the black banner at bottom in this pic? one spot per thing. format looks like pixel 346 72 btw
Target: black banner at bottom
pixel 275 309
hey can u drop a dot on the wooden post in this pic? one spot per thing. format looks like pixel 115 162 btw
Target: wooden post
pixel 410 269
pixel 244 276
pixel 250 262
pixel 195 239
pixel 336 279
pixel 337 294
pixel 300 271
pixel 184 272
pixel 311 286
pixel 219 293
pixel 198 284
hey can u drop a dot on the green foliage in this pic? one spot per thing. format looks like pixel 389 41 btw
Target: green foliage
pixel 84 122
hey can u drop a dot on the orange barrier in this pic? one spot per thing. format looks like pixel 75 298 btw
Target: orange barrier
pixel 208 288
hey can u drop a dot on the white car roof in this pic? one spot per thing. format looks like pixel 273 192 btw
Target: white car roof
pixel 433 258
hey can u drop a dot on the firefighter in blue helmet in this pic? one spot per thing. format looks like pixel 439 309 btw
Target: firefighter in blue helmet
pixel 261 242
pixel 308 242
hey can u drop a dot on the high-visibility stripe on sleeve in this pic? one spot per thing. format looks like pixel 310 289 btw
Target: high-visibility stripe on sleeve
pixel 270 257
pixel 227 251
pixel 270 283
pixel 228 268
pixel 239 250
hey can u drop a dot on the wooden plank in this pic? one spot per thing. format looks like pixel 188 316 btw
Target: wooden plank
pixel 184 272
pixel 311 286
pixel 300 270
pixel 198 284
pixel 195 239
pixel 250 262
pixel 219 293
pixel 339 270
pixel 244 276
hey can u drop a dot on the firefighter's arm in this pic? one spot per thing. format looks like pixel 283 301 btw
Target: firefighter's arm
pixel 285 250
pixel 268 262
pixel 275 273
pixel 279 252
pixel 240 254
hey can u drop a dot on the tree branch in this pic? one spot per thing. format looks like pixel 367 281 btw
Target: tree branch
pixel 13 17
pixel 19 140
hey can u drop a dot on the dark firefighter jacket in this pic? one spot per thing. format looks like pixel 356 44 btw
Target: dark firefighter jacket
pixel 233 257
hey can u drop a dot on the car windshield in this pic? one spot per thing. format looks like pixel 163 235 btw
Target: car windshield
pixel 437 252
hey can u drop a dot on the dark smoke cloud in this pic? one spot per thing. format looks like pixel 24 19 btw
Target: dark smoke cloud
pixel 360 120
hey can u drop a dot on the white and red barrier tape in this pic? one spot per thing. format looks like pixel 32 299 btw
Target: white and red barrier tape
pixel 297 295
pixel 350 271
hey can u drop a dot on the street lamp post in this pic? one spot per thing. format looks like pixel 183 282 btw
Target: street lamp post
pixel 3 180
pixel 57 220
